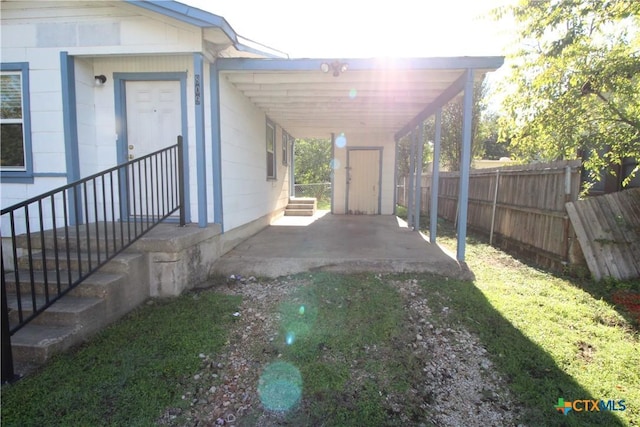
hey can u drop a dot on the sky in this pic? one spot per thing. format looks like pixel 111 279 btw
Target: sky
pixel 357 28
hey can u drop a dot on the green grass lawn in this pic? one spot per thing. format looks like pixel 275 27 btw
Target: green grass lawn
pixel 128 374
pixel 552 336
pixel 549 337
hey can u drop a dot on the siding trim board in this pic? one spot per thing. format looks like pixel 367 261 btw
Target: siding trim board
pixel 70 126
pixel 201 166
pixel 70 116
pixel 120 80
pixel 216 145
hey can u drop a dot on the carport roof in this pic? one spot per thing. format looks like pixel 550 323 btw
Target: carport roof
pixel 388 95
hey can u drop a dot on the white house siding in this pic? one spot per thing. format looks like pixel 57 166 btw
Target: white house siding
pixel 46 110
pixel 36 33
pixel 386 142
pixel 85 100
pixel 94 28
pixel 105 111
pixel 247 193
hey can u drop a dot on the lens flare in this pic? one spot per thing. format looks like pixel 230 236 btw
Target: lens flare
pixel 353 93
pixel 341 141
pixel 301 310
pixel 334 164
pixel 280 386
pixel 290 338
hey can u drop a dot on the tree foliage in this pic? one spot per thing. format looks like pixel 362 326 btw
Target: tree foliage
pixel 483 134
pixel 312 161
pixel 488 142
pixel 575 81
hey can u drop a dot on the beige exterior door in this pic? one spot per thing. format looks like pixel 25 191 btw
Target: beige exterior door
pixel 363 182
pixel 154 120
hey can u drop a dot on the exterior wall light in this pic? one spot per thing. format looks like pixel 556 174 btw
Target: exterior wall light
pixel 100 80
pixel 336 66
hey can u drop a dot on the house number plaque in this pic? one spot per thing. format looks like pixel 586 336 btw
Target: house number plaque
pixel 197 87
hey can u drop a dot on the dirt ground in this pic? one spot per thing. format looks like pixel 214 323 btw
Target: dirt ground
pixel 456 385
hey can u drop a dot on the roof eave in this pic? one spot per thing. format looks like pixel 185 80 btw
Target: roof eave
pixel 199 18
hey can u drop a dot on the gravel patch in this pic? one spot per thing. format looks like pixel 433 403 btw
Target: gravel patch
pixel 454 381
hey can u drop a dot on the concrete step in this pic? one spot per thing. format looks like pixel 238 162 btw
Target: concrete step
pixel 99 285
pixel 34 344
pixel 303 200
pixel 68 311
pixel 93 236
pixel 74 261
pixel 298 212
pixel 299 206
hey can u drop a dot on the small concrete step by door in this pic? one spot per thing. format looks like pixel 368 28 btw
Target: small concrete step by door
pixel 301 206
pixel 105 296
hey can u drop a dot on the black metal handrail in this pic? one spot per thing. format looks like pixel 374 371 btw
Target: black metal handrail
pixel 100 215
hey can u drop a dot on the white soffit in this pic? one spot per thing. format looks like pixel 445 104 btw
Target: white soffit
pixel 311 103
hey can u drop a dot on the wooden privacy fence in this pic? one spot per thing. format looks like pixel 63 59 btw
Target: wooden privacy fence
pixel 608 229
pixel 521 208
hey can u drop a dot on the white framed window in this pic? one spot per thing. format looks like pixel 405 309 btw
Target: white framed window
pixel 15 129
pixel 271 150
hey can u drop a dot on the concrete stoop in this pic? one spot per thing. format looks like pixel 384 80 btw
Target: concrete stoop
pixel 105 296
pixel 163 263
pixel 301 206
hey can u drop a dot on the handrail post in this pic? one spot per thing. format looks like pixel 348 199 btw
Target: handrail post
pixel 181 181
pixel 8 373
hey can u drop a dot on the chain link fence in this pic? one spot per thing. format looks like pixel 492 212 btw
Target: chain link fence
pixel 321 191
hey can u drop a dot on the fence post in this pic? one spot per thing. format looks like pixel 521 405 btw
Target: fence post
pixel 404 190
pixel 8 374
pixel 493 210
pixel 567 222
pixel 183 208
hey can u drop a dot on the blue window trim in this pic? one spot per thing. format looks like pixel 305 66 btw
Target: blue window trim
pixel 25 176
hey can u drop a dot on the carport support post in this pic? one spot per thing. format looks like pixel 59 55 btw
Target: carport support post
pixel 435 178
pixel 292 171
pixel 411 179
pixel 395 178
pixel 418 188
pixel 465 161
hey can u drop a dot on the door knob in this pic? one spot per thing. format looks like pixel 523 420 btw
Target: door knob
pixel 131 147
pixel 130 156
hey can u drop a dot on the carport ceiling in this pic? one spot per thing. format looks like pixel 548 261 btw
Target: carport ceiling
pixel 384 96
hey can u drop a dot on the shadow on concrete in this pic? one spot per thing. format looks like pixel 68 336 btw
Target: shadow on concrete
pixel 339 243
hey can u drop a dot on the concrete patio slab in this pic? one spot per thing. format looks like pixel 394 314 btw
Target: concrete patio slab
pixel 339 243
